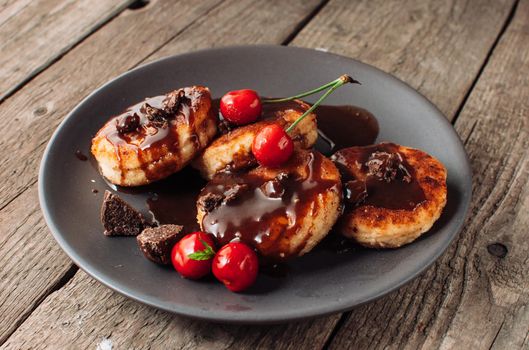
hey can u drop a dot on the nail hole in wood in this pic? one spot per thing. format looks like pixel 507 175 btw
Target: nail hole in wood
pixel 497 249
pixel 136 5
pixel 40 111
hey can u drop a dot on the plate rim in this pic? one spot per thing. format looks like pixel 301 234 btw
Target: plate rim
pixel 227 316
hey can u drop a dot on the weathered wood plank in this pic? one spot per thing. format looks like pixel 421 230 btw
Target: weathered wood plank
pixel 124 54
pixel 84 288
pixel 51 96
pixel 477 295
pixel 437 47
pixel 31 262
pixel 34 33
pixel 223 27
pixel 85 320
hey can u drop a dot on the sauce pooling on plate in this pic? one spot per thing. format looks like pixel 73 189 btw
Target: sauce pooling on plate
pixel 265 212
pixel 347 126
pixel 378 175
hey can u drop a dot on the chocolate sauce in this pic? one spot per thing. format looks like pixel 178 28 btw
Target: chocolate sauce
pixel 383 173
pixel 173 200
pixel 256 215
pixel 338 126
pixel 81 156
pixel 347 126
pixel 149 127
pixel 248 213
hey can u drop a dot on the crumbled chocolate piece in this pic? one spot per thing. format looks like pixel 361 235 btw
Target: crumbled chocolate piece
pixel 156 243
pixel 157 117
pixel 128 123
pixel 355 192
pixel 119 218
pixel 174 100
pixel 234 192
pixel 387 166
pixel 210 201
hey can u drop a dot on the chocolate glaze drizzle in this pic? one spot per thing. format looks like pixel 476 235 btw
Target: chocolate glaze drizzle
pixel 148 127
pixel 173 200
pixel 378 175
pixel 262 212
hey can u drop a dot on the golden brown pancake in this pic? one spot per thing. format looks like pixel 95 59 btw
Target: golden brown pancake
pixel 393 194
pixel 155 138
pixel 233 150
pixel 281 212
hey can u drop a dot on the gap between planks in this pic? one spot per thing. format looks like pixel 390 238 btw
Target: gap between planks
pixel 487 58
pixel 508 20
pixel 11 91
pixel 72 271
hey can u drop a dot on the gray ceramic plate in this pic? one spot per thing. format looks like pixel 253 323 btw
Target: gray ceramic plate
pixel 319 283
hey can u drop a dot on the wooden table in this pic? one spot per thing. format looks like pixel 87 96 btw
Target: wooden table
pixel 471 58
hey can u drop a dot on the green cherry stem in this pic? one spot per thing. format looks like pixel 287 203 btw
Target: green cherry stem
pixel 307 93
pixel 344 79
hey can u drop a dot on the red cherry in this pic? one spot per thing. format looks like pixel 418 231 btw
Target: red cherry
pixel 191 257
pixel 241 106
pixel 236 265
pixel 272 146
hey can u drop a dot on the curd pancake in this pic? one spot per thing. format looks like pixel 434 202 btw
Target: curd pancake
pixel 155 138
pixel 392 193
pixel 281 212
pixel 233 150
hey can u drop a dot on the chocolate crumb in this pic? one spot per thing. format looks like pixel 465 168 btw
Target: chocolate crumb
pixel 128 123
pixel 174 100
pixel 119 218
pixel 210 202
pixel 94 190
pixel 387 167
pixel 156 243
pixel 81 156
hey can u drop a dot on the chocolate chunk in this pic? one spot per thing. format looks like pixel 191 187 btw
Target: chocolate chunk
pixel 174 100
pixel 128 123
pixel 234 192
pixel 157 117
pixel 210 201
pixel 156 243
pixel 119 218
pixel 388 167
pixel 355 192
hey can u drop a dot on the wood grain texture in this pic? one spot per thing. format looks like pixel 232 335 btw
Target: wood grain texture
pixel 391 319
pixel 92 53
pixel 265 22
pixel 477 295
pixel 33 261
pixel 75 319
pixel 34 33
pixel 35 111
pixel 437 47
